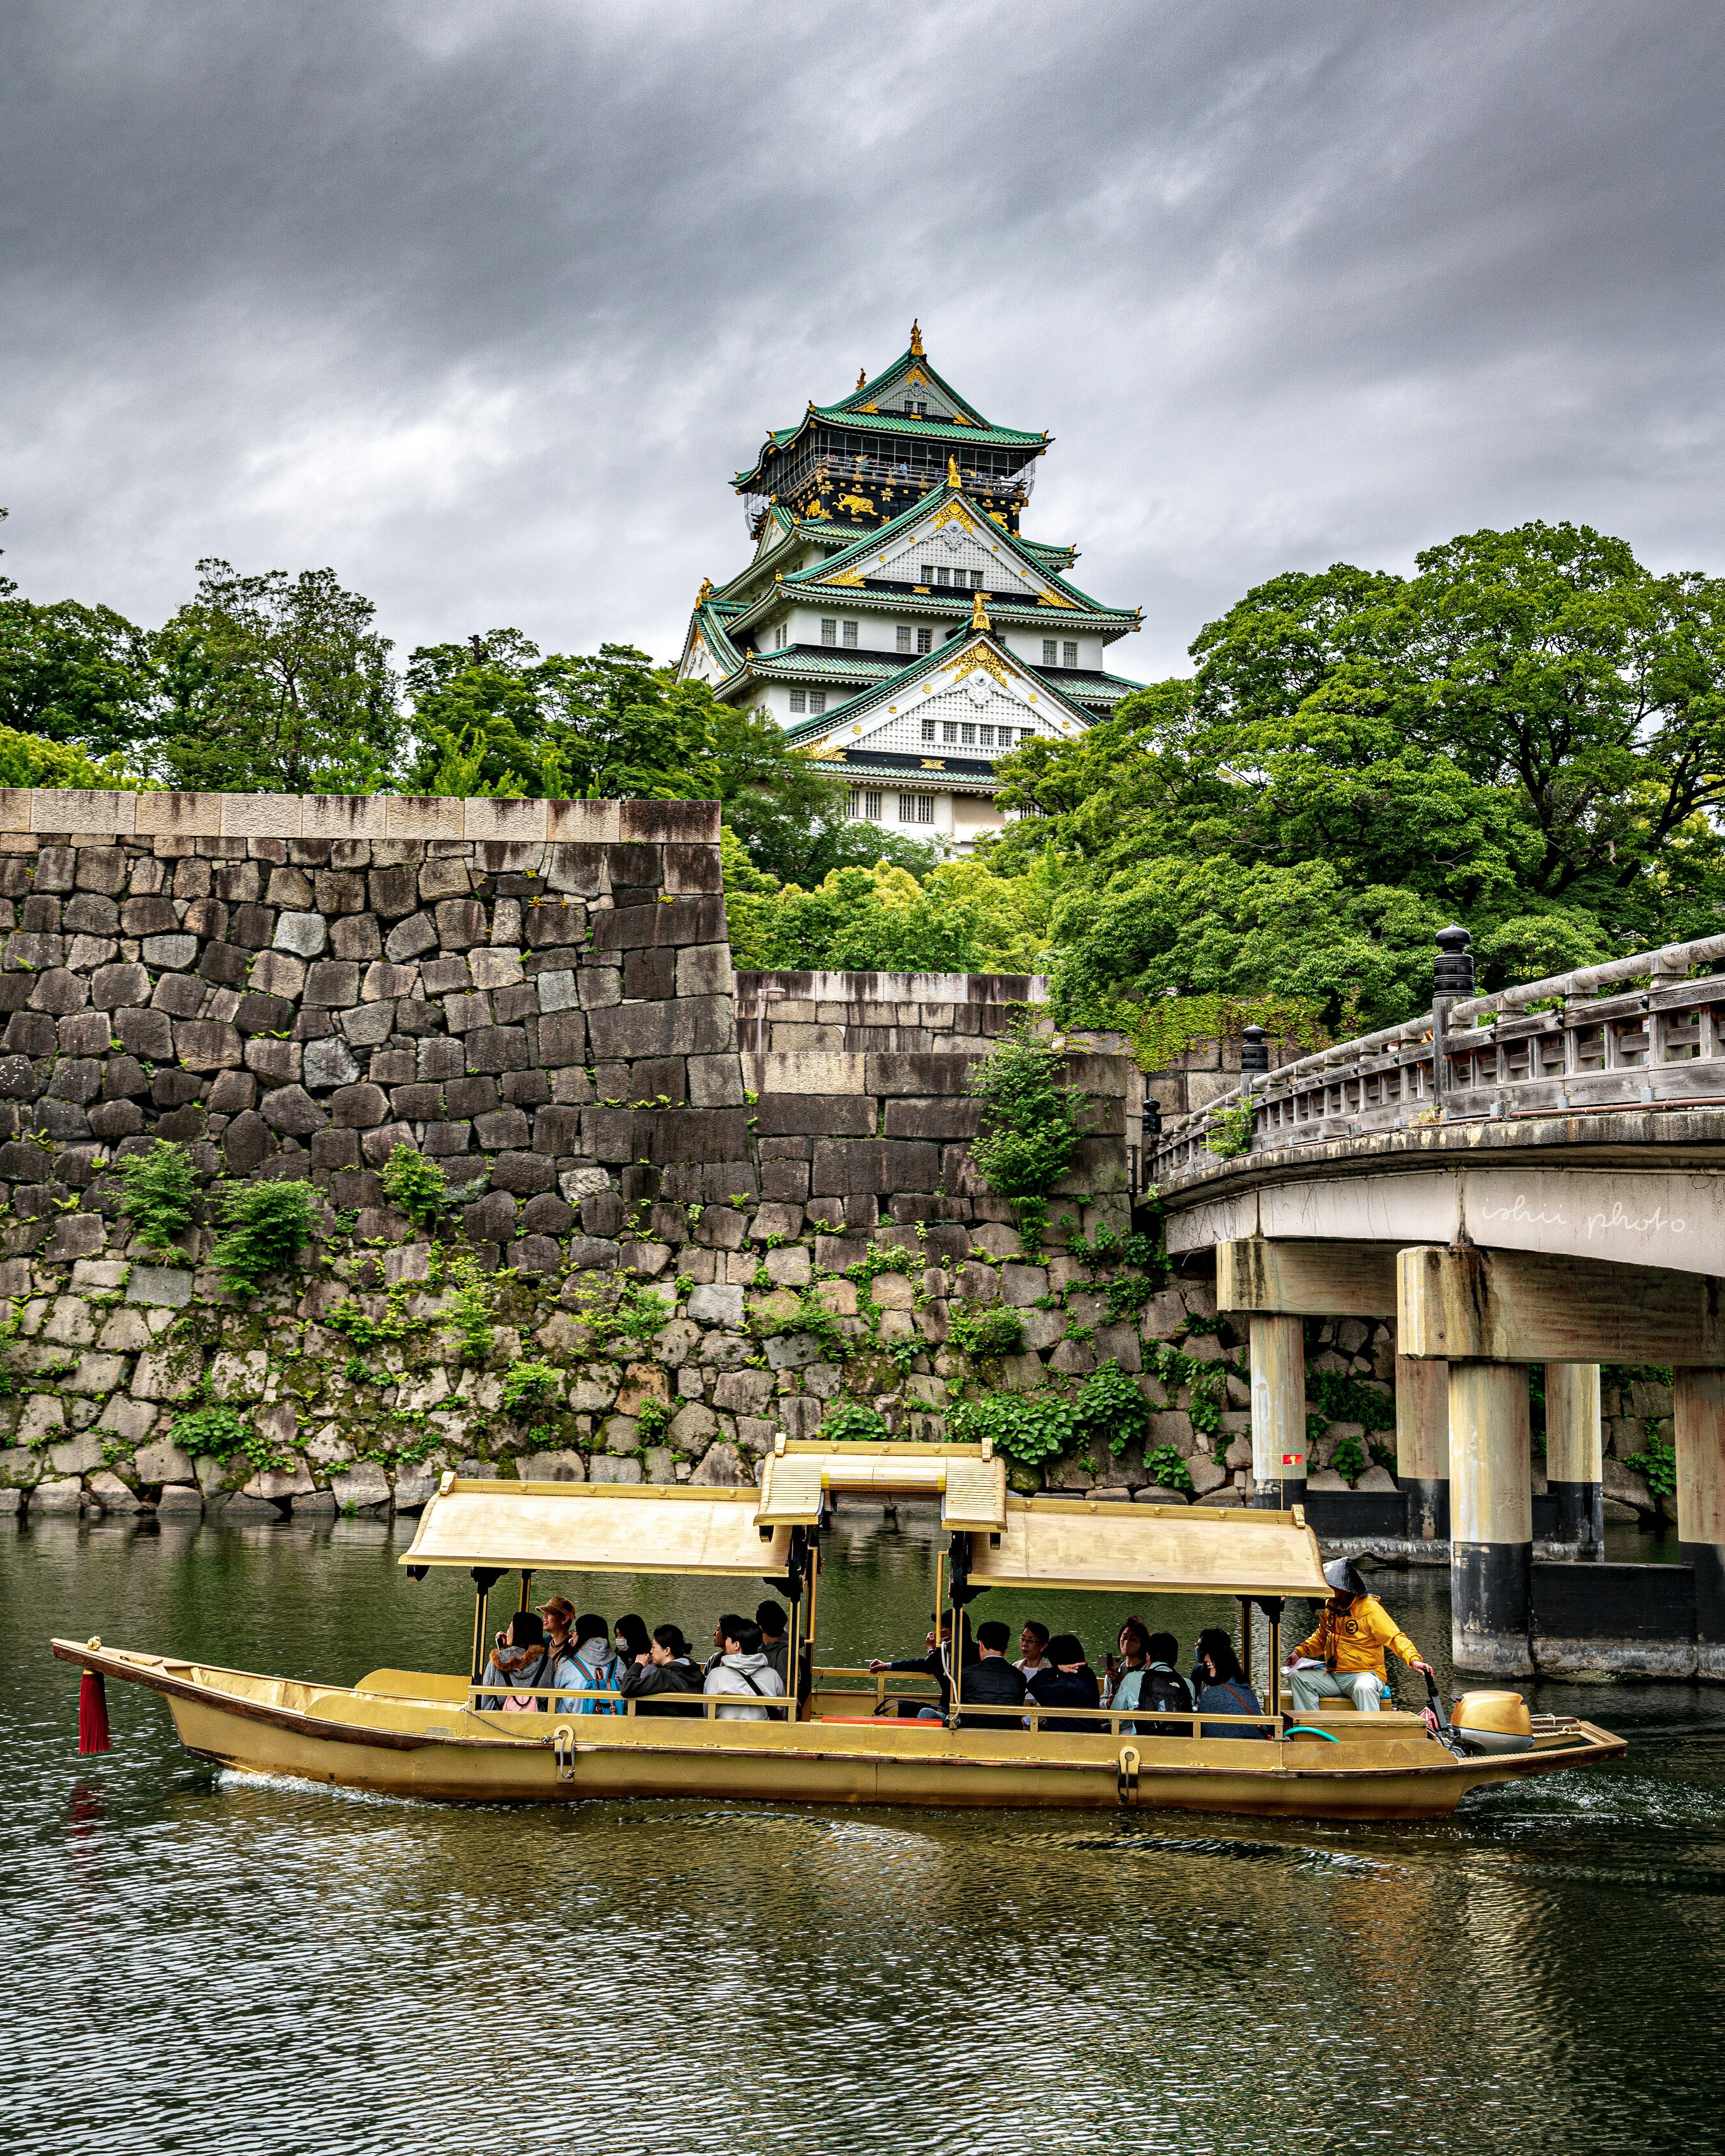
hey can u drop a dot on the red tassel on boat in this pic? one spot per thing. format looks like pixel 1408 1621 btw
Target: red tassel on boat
pixel 93 1714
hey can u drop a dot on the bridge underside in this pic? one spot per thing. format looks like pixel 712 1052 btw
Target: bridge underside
pixel 1562 1241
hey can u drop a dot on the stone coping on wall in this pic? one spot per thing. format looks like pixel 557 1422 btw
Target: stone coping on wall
pixel 80 811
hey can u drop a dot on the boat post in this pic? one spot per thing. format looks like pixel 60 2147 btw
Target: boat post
pixel 1272 1606
pixel 484 1578
pixel 527 1581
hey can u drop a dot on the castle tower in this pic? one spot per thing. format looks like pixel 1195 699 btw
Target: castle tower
pixel 894 619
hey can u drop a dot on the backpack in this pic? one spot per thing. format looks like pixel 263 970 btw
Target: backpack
pixel 513 1706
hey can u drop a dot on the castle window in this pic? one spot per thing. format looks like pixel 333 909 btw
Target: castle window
pixel 925 807
pixel 817 700
pixel 916 808
pixel 778 637
pixel 988 736
pixel 865 806
pixel 926 575
pixel 829 631
pixel 943 576
pixel 925 640
pixel 799 700
pixel 1050 652
pixel 928 730
pixel 976 580
pixel 904 639
pixel 949 732
pixel 850 636
pixel 969 734
pixel 1027 733
pixel 1069 654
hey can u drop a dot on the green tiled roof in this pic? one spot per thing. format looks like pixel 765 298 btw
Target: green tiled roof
pixel 872 543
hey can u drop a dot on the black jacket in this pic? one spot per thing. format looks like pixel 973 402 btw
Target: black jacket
pixel 1053 1688
pixel 991 1680
pixel 933 1665
pixel 645 1680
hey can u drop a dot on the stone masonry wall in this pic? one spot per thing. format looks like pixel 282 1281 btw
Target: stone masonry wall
pixel 687 1247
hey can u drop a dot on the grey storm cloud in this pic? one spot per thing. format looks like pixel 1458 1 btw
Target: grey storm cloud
pixel 483 306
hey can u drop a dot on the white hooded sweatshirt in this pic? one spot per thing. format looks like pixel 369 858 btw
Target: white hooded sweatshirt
pixel 754 1678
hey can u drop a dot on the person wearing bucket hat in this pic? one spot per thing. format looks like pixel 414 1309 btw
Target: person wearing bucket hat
pixel 1353 1630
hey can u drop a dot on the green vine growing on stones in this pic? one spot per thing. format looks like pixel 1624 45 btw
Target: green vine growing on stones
pixel 1030 1126
pixel 160 1194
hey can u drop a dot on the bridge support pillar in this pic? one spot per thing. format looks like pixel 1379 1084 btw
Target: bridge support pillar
pixel 1490 1518
pixel 1574 1455
pixel 1700 1424
pixel 1278 1411
pixel 1422 1445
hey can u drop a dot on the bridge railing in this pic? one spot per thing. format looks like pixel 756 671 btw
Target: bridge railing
pixel 1645 1029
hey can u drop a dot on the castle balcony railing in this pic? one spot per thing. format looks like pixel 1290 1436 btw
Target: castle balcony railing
pixel 1643 1030
pixel 826 470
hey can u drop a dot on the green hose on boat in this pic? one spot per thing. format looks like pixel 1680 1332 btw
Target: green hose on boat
pixel 1306 1729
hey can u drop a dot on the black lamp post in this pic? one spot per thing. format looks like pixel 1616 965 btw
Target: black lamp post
pixel 1254 1050
pixel 1452 970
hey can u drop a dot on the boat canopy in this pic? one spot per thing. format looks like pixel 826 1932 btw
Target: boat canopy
pixel 1189 1549
pixel 578 1527
pixel 969 1481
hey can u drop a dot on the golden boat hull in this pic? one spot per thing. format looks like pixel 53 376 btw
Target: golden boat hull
pixel 412 1734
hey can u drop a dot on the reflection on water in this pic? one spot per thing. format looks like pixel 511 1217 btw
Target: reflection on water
pixel 212 1962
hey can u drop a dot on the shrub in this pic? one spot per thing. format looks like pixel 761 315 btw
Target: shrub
pixel 1030 1427
pixel 990 1332
pixel 161 1192
pixel 218 1433
pixel 655 1418
pixel 1349 1459
pixel 417 1185
pixel 1030 1130
pixel 1228 1132
pixel 269 1225
pixel 1168 1470
pixel 849 1422
pixel 530 1385
pixel 1657 1465
pixel 1109 1405
pixel 1344 1399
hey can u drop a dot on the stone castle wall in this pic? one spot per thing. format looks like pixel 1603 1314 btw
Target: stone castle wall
pixel 538 997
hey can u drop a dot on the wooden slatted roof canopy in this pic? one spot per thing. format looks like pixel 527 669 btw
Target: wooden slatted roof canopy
pixel 578 1527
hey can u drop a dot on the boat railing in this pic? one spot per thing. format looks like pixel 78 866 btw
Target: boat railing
pixel 625 1702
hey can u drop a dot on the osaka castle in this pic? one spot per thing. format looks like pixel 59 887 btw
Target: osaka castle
pixel 894 619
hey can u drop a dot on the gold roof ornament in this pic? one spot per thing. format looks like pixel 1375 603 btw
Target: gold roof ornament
pixel 706 592
pixel 862 377
pixel 952 478
pixel 979 613
pixel 916 351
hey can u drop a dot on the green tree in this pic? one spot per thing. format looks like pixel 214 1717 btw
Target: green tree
pixel 274 684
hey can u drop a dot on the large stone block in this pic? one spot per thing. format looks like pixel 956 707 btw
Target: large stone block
pixel 460 923
pixel 262 815
pixel 669 822
pixel 343 817
pixel 208 1044
pixel 583 822
pixel 688 1025
pixel 291 1109
pixel 682 922
pixel 410 938
pixel 933 1119
pixel 692 869
pixel 333 984
pixel 814 1115
pixel 146 1033
pixel 697 1134
pixel 917 1075
pixel 303 934
pixel 81 810
pixel 878 1164
pixel 831 1074
pixel 112 988
pixel 496 1048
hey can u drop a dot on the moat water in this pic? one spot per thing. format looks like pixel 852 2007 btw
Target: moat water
pixel 196 1961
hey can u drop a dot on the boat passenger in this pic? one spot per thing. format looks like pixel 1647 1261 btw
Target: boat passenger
pixel 1070 1681
pixel 1134 1649
pixel 775 1641
pixel 666 1666
pixel 631 1641
pixel 592 1668
pixel 1224 1689
pixel 520 1660
pixel 722 1625
pixel 1033 1650
pixel 559 1621
pixel 743 1669
pixel 935 1663
pixel 991 1680
pixel 1353 1630
pixel 1154 1682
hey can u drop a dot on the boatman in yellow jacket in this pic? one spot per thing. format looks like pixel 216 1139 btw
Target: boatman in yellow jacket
pixel 1353 1630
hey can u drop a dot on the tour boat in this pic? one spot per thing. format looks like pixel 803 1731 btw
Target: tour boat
pixel 839 1738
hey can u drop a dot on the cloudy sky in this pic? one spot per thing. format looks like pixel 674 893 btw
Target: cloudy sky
pixel 482 306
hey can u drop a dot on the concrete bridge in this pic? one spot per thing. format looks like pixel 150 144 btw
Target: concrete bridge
pixel 1532 1176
